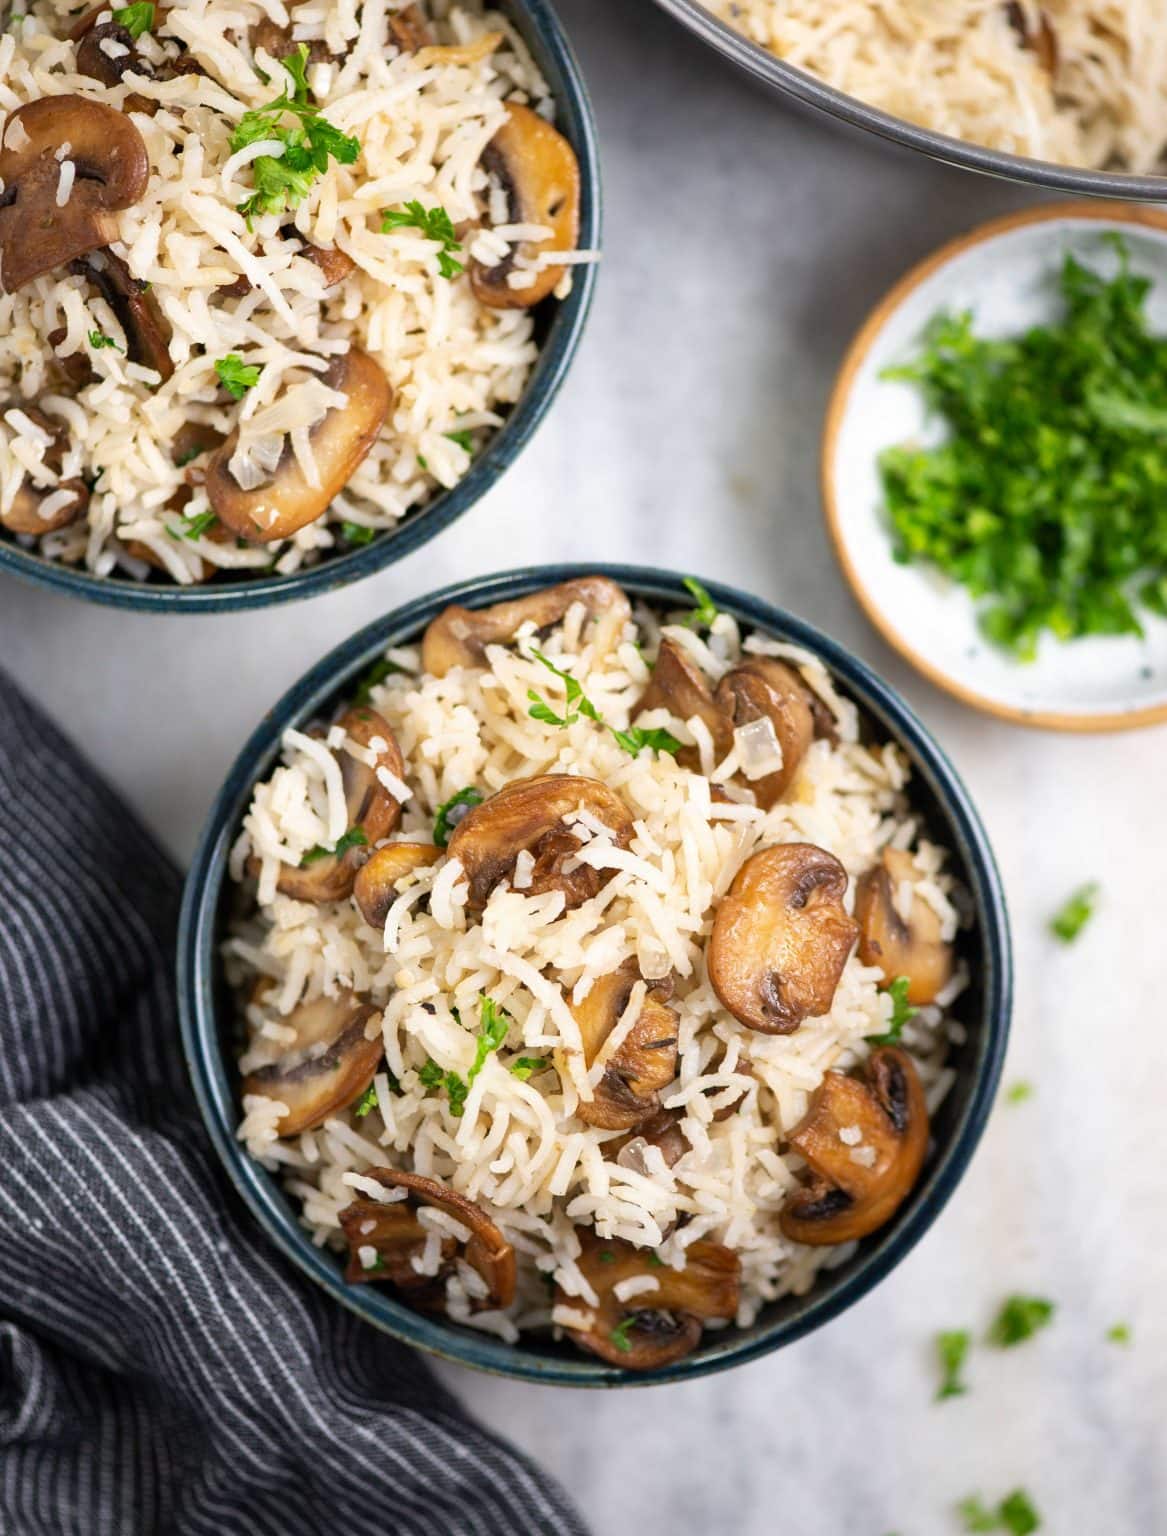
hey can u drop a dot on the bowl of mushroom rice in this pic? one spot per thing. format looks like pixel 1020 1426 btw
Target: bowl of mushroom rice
pixel 594 976
pixel 283 291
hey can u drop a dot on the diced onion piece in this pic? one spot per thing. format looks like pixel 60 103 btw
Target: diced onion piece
pixel 758 748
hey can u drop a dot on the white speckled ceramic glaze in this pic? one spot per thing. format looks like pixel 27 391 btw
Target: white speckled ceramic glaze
pixel 1007 274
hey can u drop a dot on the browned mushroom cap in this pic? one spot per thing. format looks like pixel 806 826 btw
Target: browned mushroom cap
pixel 458 637
pixel 858 1185
pixel 335 265
pixel 147 329
pixel 915 948
pixel 679 685
pixel 645 1060
pixel 662 1131
pixel 286 502
pixel 25 513
pixel 762 690
pixel 1041 40
pixel 279 42
pixel 660 1326
pixel 487 1250
pixel 537 169
pixel 781 938
pixel 328 1065
pixel 530 814
pixel 111 172
pixel 407 28
pixel 376 885
pixel 371 808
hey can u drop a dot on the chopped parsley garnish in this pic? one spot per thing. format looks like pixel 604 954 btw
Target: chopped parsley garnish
pixel 1014 1514
pixel 375 675
pixel 366 1102
pixel 1019 1319
pixel 431 1075
pixel 705 612
pixel 283 182
pixel 98 340
pixel 1048 497
pixel 619 1334
pixel 436 225
pixel 1019 1092
pixel 1068 922
pixel 952 1348
pixel 1119 1333
pixel 353 838
pixel 901 1012
pixel 464 440
pixel 493 1026
pixel 444 818
pixel 357 533
pixel 236 376
pixel 136 19
pixel 578 703
pixel 195 527
pixel 526 1065
pixel 423 463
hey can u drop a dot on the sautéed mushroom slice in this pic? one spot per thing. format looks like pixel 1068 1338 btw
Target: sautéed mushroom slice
pixel 458 637
pixel 767 709
pixel 781 937
pixel 645 1059
pixel 858 1182
pixel 42 509
pixel 533 817
pixel 377 882
pixel 679 686
pixel 398 1236
pixel 914 947
pixel 328 1065
pixel 659 1323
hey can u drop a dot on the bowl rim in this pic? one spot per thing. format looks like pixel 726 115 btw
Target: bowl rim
pixel 806 88
pixel 556 58
pixel 1079 722
pixel 215 1087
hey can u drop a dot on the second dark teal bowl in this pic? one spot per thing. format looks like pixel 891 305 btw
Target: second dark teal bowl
pixel 207 1014
pixel 558 328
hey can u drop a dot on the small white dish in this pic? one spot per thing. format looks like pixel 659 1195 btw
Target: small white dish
pixel 1006 273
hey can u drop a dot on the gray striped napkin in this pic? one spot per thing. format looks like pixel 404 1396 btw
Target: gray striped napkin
pixel 161 1370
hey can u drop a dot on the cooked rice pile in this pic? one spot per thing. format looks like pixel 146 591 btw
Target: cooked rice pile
pixel 962 67
pixel 518 1149
pixel 454 364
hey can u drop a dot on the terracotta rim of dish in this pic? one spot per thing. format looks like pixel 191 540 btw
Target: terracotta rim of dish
pixel 1106 212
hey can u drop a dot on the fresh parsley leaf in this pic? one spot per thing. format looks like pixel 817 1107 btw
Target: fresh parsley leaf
pixel 952 1348
pixel 423 463
pixel 578 702
pixel 1019 1319
pixel 1017 1514
pixel 136 19
pixel 1068 922
pixel 976 1515
pixel 366 1102
pixel 631 741
pixel 1119 1333
pixel 705 612
pixel 541 710
pixel 436 225
pixel 901 1012
pixel 637 737
pixel 374 676
pixel 1018 1092
pixel 431 1075
pixel 464 440
pixel 236 376
pixel 283 182
pixel 619 1334
pixel 195 527
pixel 444 818
pixel 98 340
pixel 353 838
pixel 493 1026
pixel 357 533
pixel 526 1065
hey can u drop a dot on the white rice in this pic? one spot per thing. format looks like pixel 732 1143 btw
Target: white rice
pixel 455 365
pixel 960 67
pixel 519 1150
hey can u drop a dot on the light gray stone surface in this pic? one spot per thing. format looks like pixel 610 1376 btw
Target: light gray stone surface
pixel 744 245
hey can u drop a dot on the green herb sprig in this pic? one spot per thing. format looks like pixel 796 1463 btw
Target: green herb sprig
pixel 354 838
pixel 136 18
pixel 706 610
pixel 901 1012
pixel 236 376
pixel 1015 1514
pixel 952 1349
pixel 631 741
pixel 444 819
pixel 98 340
pixel 436 225
pixel 1019 1319
pixel 492 1031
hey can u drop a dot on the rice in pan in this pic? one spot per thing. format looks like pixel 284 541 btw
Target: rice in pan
pixel 577 959
pixel 1079 82
pixel 281 286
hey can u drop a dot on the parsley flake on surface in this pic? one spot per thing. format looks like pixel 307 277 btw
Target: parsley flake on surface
pixel 236 376
pixel 136 18
pixel 526 1065
pixel 366 1102
pixel 1119 1333
pixel 1018 1092
pixel 436 225
pixel 431 1075
pixel 901 1012
pixel 283 181
pixel 637 737
pixel 444 818
pixel 99 340
pixel 706 611
pixel 195 527
pixel 357 533
pixel 1019 1319
pixel 464 440
pixel 1068 922
pixel 353 838
pixel 1015 1514
pixel 952 1347
pixel 1047 500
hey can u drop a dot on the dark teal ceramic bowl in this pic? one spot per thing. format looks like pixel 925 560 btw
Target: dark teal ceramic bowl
pixel 207 1014
pixel 558 328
